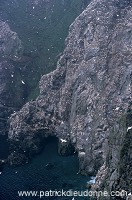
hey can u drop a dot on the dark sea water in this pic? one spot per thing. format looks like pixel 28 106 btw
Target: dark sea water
pixel 3 147
pixel 35 176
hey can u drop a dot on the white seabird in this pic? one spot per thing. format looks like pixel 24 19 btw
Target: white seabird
pixel 129 128
pixel 63 140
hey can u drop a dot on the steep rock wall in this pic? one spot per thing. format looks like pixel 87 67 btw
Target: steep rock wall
pixel 116 173
pixel 11 50
pixel 42 26
pixel 89 92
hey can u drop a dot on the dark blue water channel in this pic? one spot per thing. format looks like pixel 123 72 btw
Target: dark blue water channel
pixel 3 147
pixel 61 173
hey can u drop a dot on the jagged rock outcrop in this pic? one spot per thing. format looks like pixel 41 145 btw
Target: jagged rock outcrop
pixel 119 159
pixel 85 98
pixel 35 22
pixel 21 61
pixel 116 173
pixel 10 52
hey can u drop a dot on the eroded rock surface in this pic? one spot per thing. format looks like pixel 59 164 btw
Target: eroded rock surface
pixel 116 173
pixel 10 52
pixel 85 98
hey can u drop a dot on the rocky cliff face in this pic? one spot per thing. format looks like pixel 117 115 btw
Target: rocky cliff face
pixel 83 101
pixel 116 173
pixel 23 61
pixel 119 159
pixel 10 53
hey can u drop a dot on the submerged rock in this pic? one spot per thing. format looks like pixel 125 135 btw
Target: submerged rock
pixel 49 166
pixel 84 99
pixel 17 159
pixel 2 163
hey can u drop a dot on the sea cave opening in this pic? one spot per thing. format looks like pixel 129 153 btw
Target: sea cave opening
pixel 47 171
